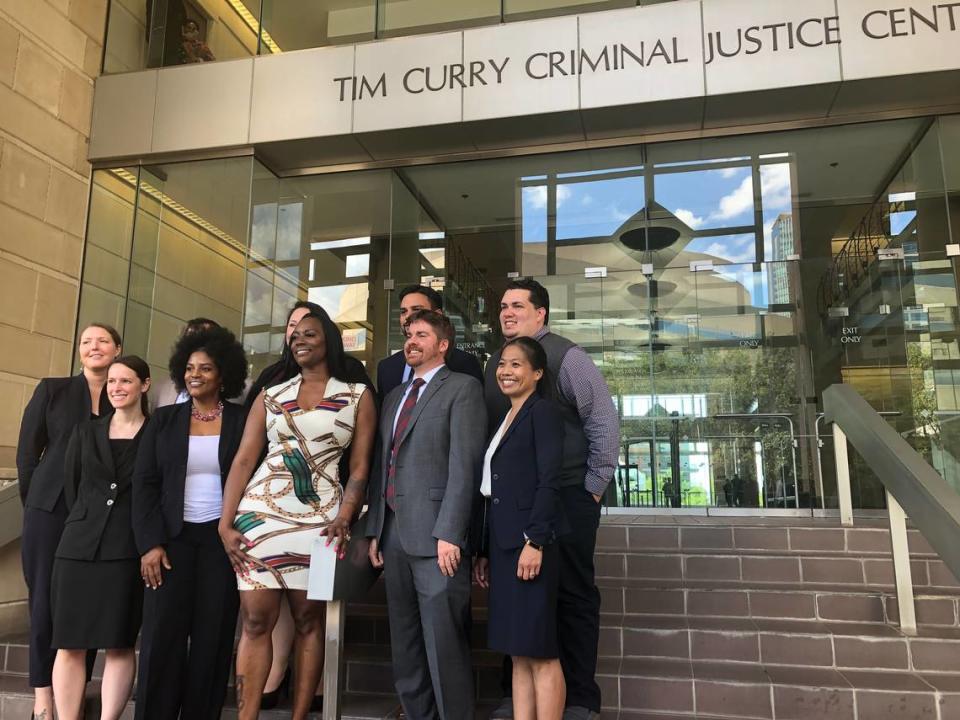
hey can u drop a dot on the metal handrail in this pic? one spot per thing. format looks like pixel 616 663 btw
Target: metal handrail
pixel 912 486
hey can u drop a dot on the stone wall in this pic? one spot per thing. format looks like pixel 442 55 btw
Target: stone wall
pixel 50 52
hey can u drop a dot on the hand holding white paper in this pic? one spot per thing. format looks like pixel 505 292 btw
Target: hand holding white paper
pixel 323 569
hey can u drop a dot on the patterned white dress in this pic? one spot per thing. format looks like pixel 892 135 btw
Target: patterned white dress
pixel 296 490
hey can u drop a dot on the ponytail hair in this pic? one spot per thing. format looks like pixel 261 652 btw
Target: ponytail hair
pixel 142 369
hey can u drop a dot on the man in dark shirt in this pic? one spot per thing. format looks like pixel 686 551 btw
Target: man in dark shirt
pixel 393 370
pixel 591 453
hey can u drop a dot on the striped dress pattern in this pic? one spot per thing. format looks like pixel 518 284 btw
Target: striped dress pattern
pixel 296 490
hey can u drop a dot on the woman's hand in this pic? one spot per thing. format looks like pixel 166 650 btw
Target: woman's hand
pixel 235 544
pixel 528 567
pixel 376 557
pixel 151 564
pixel 481 571
pixel 338 532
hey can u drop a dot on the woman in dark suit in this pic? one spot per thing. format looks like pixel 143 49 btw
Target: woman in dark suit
pixel 58 405
pixel 190 608
pixel 97 593
pixel 521 523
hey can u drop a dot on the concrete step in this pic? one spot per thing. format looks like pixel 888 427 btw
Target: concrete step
pixel 753 536
pixel 641 688
pixel 16 701
pixel 793 602
pixel 645 689
pixel 366 620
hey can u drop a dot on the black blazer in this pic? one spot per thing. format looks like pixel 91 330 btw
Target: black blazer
pixel 161 470
pixel 525 477
pixel 58 405
pixel 390 369
pixel 98 498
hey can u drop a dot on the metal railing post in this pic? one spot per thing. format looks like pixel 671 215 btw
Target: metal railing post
pixel 842 462
pixel 333 659
pixel 903 577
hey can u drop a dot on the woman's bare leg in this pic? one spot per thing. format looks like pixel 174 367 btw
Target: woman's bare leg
pixel 118 673
pixel 69 686
pixel 308 622
pixel 258 610
pixel 282 639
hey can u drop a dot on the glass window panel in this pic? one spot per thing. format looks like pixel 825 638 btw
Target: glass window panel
pixel 335 232
pixel 776 190
pixel 189 251
pixel 297 25
pixel 289 230
pixel 160 33
pixel 738 248
pixel 127 36
pixel 408 17
pixel 528 9
pixel 358 265
pixel 950 147
pixel 704 199
pixel 106 273
pixel 597 208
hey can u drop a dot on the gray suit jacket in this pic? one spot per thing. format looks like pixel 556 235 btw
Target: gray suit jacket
pixel 437 464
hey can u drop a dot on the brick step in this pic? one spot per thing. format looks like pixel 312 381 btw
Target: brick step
pixel 16 701
pixel 812 643
pixel 366 666
pixel 685 689
pixel 845 646
pixel 770 568
pixel 753 536
pixel 840 604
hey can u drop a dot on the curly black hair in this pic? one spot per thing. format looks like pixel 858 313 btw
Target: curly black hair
pixel 225 351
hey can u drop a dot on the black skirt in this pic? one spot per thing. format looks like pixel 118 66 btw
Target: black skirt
pixel 522 618
pixel 96 604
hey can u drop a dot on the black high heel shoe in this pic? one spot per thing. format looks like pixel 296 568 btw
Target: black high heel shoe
pixel 272 699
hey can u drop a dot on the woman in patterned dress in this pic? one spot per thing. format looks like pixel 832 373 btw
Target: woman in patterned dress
pixel 272 516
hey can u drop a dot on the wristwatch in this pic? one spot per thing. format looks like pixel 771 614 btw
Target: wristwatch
pixel 531 543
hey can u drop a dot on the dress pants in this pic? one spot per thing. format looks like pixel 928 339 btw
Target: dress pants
pixel 429 623
pixel 38 546
pixel 189 626
pixel 578 606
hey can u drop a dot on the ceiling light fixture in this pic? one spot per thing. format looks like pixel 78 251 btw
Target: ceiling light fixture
pixel 240 9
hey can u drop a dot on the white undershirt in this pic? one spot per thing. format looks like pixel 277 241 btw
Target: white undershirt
pixel 203 493
pixel 486 488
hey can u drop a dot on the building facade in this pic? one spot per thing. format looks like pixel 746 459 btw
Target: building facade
pixel 707 188
pixel 50 53
pixel 733 203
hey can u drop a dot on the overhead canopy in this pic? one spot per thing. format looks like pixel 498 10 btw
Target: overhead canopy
pixel 686 66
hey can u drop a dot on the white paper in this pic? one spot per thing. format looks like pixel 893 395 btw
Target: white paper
pixel 323 569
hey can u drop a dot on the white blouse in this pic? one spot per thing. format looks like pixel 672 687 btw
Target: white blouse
pixel 203 493
pixel 485 483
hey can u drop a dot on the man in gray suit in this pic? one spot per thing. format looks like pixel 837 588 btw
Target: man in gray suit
pixel 432 433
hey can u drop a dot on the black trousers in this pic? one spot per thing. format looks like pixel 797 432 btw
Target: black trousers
pixel 578 606
pixel 38 546
pixel 189 625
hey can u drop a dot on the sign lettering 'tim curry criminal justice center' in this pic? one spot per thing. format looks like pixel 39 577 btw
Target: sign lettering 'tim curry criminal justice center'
pixel 670 51
pixel 665 52
pixel 646 49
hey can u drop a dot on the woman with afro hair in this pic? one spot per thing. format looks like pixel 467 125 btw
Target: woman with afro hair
pixel 191 600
